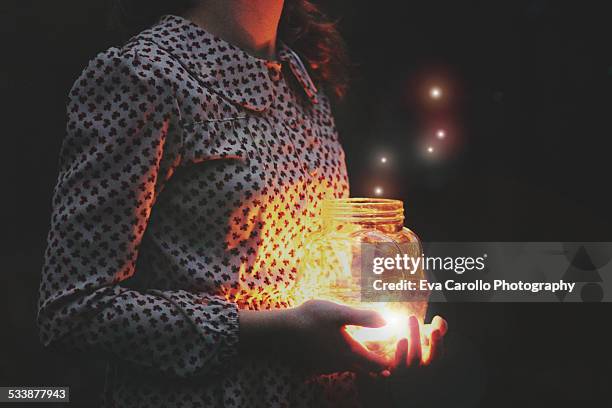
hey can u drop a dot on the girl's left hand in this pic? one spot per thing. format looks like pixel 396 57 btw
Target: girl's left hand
pixel 409 353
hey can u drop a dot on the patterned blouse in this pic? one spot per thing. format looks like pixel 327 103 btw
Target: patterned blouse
pixel 189 175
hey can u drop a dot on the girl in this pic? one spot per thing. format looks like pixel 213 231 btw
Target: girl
pixel 195 160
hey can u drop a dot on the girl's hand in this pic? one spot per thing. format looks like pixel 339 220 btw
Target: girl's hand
pixel 409 354
pixel 322 343
pixel 414 366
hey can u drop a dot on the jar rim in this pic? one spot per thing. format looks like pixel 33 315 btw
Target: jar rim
pixel 363 209
pixel 369 200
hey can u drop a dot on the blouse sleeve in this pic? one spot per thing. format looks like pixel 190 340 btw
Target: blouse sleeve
pixel 119 150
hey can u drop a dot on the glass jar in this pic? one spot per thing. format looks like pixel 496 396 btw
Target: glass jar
pixel 331 266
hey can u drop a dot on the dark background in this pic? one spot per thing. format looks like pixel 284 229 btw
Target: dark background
pixel 527 108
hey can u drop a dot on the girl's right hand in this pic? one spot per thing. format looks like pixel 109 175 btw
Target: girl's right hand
pixel 321 342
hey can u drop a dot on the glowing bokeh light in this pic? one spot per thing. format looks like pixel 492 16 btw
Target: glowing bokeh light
pixel 383 159
pixel 435 92
pixel 378 191
pixel 441 134
pixel 430 149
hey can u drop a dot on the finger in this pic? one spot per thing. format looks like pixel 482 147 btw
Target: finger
pixel 439 323
pixel 401 354
pixel 360 317
pixel 365 368
pixel 435 345
pixel 438 341
pixel 363 358
pixel 414 345
pixel 440 348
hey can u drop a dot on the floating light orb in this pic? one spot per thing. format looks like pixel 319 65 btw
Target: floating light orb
pixel 378 191
pixel 441 134
pixel 383 159
pixel 430 149
pixel 435 92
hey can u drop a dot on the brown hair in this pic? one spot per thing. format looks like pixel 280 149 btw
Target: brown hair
pixel 303 27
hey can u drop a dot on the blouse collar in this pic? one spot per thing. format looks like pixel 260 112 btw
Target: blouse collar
pixel 225 68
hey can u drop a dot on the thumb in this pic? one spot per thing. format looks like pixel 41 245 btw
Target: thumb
pixel 361 317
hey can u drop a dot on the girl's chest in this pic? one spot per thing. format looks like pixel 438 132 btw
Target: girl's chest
pixel 287 152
